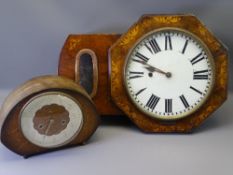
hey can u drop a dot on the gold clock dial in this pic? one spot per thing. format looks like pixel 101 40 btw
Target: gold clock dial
pixel 169 73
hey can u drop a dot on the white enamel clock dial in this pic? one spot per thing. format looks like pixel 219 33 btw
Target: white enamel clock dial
pixel 51 119
pixel 169 74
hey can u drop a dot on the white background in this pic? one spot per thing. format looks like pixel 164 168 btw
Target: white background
pixel 31 36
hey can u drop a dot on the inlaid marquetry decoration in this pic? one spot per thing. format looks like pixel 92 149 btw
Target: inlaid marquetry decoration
pixel 167 73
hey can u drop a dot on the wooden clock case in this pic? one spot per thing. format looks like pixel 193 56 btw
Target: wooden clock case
pixel 111 51
pixel 11 134
pixel 74 46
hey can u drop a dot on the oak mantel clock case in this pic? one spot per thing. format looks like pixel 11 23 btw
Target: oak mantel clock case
pixel 47 113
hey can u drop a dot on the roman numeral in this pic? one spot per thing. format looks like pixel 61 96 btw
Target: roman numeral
pixel 200 75
pixel 197 58
pixel 152 102
pixel 168 105
pixel 135 74
pixel 196 90
pixel 168 42
pixel 142 57
pixel 184 101
pixel 185 46
pixel 140 91
pixel 154 45
pixel 149 48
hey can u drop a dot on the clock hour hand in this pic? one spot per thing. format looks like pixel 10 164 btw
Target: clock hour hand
pixel 51 121
pixel 154 69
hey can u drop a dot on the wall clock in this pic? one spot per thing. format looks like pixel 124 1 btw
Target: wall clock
pixel 45 114
pixel 167 73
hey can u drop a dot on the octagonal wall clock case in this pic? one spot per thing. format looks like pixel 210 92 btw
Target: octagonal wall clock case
pixel 167 73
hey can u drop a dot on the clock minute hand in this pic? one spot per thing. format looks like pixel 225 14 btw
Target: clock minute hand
pixel 154 69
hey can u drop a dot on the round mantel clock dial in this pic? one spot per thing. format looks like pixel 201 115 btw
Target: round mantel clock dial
pixel 168 73
pixel 47 113
pixel 51 119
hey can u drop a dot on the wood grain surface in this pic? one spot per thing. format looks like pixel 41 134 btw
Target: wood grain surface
pixel 120 50
pixel 99 44
pixel 11 134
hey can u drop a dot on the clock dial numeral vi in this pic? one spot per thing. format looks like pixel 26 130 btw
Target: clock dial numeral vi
pixel 168 105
